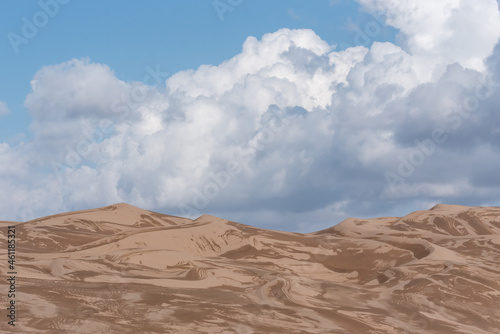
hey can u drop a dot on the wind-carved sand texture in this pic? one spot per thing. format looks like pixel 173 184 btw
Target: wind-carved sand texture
pixel 121 269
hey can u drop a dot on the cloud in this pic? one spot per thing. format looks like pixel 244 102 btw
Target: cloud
pixel 75 89
pixel 4 109
pixel 288 133
pixel 439 33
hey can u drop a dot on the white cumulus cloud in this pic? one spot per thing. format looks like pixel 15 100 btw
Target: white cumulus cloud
pixel 443 32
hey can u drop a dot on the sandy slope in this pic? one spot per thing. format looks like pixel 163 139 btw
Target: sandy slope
pixel 121 269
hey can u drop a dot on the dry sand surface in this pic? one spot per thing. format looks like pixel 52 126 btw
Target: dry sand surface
pixel 121 269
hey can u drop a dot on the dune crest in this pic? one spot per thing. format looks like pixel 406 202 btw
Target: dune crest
pixel 121 269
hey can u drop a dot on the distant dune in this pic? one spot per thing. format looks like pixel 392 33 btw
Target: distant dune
pixel 121 269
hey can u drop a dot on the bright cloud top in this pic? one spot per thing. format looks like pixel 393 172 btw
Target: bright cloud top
pixel 444 32
pixel 289 130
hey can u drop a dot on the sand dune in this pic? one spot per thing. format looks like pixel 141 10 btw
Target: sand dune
pixel 121 269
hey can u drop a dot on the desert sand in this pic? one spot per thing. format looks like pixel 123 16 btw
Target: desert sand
pixel 121 269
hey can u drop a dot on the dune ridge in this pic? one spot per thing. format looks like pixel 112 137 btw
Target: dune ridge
pixel 121 269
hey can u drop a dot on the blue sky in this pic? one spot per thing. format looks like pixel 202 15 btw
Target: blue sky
pixel 290 115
